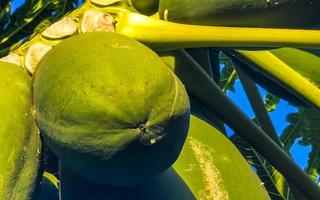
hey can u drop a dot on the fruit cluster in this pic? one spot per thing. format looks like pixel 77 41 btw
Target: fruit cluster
pixel 115 109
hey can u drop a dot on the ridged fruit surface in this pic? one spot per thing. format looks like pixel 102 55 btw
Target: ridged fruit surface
pixel 110 109
pixel 19 136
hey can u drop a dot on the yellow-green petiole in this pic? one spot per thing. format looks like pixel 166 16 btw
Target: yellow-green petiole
pixel 162 35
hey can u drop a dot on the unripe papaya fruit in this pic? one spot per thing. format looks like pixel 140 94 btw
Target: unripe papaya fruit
pixel 19 136
pixel 251 13
pixel 109 108
pixel 213 168
pixel 146 7
pixel 167 185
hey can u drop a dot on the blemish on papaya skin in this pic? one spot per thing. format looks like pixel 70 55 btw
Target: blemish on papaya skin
pixel 213 189
pixel 165 15
pixel 119 46
pixel 190 168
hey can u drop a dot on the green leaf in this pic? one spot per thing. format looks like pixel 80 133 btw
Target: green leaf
pixel 313 167
pixel 271 102
pixel 30 18
pixel 273 181
pixel 305 124
pixel 22 16
pixel 228 74
pixel 4 3
pixel 4 13
pixel 291 132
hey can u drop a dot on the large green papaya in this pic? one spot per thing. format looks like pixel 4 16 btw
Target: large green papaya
pixel 209 167
pixel 251 13
pixel 109 108
pixel 213 168
pixel 19 136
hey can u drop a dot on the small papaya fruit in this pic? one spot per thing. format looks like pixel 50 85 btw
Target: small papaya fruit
pixel 19 137
pixel 109 108
pixel 248 13
pixel 146 7
pixel 213 168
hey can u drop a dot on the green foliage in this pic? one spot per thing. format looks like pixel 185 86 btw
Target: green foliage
pixel 271 178
pixel 4 11
pixel 30 18
pixel 228 74
pixel 271 101
pixel 304 125
pixel 278 76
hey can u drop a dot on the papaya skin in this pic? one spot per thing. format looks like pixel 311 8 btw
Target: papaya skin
pixel 165 186
pixel 213 167
pixel 19 137
pixel 242 13
pixel 110 109
pixel 146 7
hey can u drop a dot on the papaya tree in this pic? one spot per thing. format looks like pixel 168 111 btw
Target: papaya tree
pixel 127 99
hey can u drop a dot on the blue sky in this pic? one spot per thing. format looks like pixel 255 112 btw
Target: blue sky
pixel 15 4
pixel 278 116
